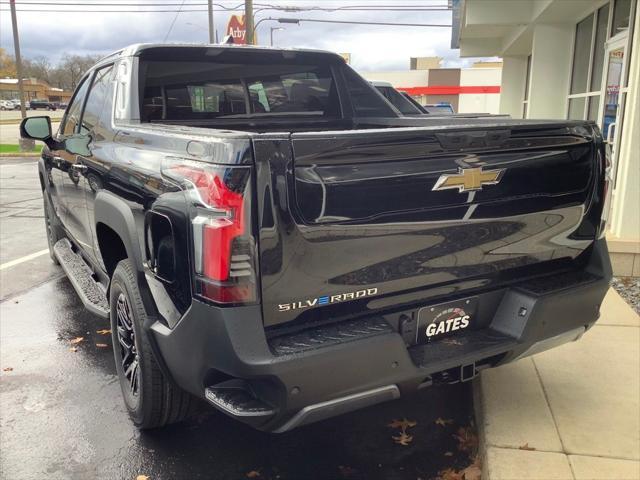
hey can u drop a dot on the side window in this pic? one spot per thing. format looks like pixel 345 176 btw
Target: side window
pixel 100 89
pixel 364 100
pixel 72 117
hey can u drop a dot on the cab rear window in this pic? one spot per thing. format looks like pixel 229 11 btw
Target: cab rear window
pixel 200 90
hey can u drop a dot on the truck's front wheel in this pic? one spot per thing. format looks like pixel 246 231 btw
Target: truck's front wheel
pixel 152 401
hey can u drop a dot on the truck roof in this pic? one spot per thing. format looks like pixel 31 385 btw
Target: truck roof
pixel 137 48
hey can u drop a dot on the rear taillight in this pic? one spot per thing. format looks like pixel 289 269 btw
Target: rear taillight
pixel 223 244
pixel 605 159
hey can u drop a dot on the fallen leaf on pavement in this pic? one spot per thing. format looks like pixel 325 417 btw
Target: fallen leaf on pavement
pixel 467 440
pixel 253 474
pixel 104 331
pixel 403 424
pixel 101 345
pixel 7 369
pixel 473 471
pixel 346 471
pixel 73 349
pixel 76 340
pixel 142 477
pixel 526 447
pixel 443 422
pixel 450 474
pixel 403 439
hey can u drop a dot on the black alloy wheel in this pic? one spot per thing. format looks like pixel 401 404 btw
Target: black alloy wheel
pixel 152 400
pixel 127 344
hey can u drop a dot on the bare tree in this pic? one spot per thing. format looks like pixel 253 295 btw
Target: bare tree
pixel 39 67
pixel 65 74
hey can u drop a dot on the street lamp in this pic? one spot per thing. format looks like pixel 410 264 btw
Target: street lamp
pixel 273 29
pixel 279 20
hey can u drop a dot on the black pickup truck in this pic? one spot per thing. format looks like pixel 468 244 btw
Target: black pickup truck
pixel 267 233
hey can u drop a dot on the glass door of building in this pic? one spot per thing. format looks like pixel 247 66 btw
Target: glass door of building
pixel 612 100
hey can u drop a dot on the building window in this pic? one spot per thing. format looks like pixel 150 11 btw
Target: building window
pixel 588 62
pixel 576 108
pixel 621 16
pixel 527 80
pixel 582 55
pixel 599 48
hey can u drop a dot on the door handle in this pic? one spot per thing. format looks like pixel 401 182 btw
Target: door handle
pixel 610 132
pixel 79 167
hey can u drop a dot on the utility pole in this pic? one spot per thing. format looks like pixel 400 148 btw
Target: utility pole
pixel 212 35
pixel 25 144
pixel 248 21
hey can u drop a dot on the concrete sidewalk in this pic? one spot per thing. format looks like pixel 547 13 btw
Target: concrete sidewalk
pixel 569 413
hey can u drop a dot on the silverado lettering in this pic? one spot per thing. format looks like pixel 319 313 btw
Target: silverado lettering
pixel 327 300
pixel 199 197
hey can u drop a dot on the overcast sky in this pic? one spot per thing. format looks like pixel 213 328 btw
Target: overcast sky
pixel 60 30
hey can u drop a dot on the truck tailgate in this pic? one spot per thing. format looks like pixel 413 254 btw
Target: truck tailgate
pixel 359 221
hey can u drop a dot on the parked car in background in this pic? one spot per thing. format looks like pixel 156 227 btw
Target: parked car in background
pixel 404 105
pixel 12 104
pixel 408 106
pixel 44 104
pixel 16 104
pixel 61 105
pixel 440 108
pixel 269 234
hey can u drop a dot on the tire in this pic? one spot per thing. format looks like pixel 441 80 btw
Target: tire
pixel 52 224
pixel 151 399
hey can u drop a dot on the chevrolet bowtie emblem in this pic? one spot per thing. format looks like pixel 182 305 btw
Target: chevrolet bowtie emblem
pixel 469 179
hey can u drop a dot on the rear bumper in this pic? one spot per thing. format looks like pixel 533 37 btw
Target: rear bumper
pixel 368 361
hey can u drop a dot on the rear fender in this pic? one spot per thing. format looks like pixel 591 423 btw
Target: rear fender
pixel 113 212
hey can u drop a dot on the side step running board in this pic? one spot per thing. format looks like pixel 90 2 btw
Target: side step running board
pixel 236 398
pixel 80 275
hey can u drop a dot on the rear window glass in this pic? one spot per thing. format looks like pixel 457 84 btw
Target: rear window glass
pixel 196 90
pixel 398 101
pixel 364 99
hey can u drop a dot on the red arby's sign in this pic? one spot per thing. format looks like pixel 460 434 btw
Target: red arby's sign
pixel 237 29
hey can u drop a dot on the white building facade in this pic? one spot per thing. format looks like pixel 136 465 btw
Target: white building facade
pixel 577 59
pixel 468 90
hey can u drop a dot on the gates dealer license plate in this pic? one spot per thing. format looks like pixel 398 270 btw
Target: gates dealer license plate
pixel 437 321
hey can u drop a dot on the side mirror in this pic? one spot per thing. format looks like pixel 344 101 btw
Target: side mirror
pixel 38 128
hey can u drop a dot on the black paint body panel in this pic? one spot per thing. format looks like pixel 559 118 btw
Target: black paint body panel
pixel 347 211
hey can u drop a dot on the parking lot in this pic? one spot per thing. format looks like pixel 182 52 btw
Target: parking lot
pixel 62 416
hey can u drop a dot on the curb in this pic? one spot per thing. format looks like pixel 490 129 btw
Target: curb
pixel 478 411
pixel 20 155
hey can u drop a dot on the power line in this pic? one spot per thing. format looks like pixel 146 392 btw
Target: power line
pixel 236 7
pixel 317 20
pixel 41 10
pixel 200 3
pixel 173 22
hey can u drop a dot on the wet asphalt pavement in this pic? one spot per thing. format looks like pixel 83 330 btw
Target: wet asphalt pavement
pixel 62 417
